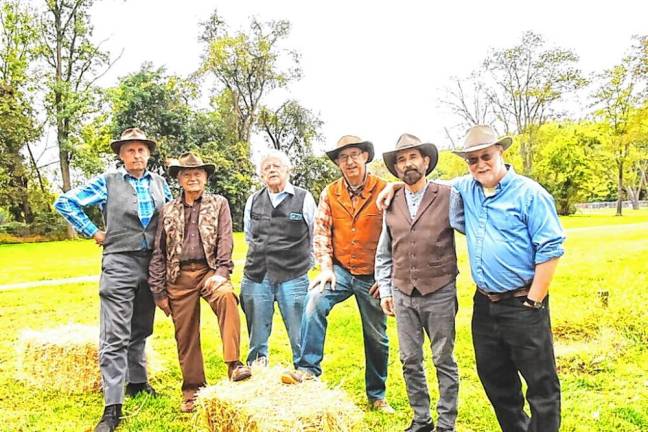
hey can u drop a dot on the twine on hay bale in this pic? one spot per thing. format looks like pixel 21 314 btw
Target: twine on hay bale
pixel 64 358
pixel 264 404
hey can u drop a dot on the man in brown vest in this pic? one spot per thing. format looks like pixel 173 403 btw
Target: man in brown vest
pixel 416 268
pixel 347 228
pixel 193 259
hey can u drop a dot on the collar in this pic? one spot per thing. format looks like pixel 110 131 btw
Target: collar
pixel 197 200
pixel 505 181
pixel 356 190
pixel 125 174
pixel 289 189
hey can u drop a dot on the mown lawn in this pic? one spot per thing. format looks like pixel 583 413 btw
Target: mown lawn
pixel 602 351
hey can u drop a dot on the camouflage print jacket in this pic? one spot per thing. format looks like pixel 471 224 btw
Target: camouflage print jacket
pixel 215 227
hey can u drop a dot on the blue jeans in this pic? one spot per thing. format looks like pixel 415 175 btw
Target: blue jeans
pixel 257 301
pixel 374 328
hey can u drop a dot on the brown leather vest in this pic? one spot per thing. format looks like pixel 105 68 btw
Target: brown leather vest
pixel 423 249
pixel 356 231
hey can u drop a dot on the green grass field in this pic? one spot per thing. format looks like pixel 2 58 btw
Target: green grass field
pixel 602 352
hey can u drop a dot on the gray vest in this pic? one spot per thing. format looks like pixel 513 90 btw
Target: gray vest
pixel 423 249
pixel 281 244
pixel 124 231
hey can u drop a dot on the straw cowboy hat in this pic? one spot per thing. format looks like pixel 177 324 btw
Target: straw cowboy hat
pixel 406 142
pixel 351 141
pixel 189 160
pixel 130 135
pixel 480 137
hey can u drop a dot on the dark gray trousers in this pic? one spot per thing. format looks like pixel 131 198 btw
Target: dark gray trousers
pixel 127 313
pixel 433 314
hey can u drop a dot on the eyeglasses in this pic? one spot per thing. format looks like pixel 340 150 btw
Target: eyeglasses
pixel 345 158
pixel 474 160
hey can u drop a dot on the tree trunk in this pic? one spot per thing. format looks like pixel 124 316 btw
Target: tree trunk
pixel 619 208
pixel 633 196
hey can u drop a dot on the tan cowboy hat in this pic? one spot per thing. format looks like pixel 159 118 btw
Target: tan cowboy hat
pixel 409 141
pixel 480 137
pixel 189 160
pixel 130 135
pixel 351 141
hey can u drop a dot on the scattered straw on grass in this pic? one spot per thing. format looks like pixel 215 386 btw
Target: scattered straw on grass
pixel 65 359
pixel 264 404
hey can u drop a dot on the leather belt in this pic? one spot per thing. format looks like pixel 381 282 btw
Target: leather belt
pixel 193 264
pixel 496 297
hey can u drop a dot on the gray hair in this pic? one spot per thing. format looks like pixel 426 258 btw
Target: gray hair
pixel 282 156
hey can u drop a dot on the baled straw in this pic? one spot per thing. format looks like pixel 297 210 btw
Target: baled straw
pixel 65 358
pixel 264 404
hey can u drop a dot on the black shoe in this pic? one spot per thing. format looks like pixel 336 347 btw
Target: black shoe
pixel 110 419
pixel 429 427
pixel 133 389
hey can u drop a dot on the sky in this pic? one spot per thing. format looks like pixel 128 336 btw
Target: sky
pixel 375 69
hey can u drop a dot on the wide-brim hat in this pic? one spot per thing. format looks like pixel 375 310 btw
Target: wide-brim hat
pixel 480 137
pixel 406 142
pixel 351 141
pixel 131 135
pixel 189 160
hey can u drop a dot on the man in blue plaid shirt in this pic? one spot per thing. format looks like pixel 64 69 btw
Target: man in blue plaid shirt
pixel 130 200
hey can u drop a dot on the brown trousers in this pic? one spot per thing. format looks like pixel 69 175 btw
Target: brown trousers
pixel 184 301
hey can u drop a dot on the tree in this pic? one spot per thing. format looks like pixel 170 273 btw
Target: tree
pixel 615 98
pixel 518 89
pixel 294 130
pixel 246 66
pixel 74 64
pixel 637 134
pixel 161 105
pixel 570 163
pixel 18 124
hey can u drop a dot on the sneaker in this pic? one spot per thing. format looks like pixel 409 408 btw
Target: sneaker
pixel 296 376
pixel 382 406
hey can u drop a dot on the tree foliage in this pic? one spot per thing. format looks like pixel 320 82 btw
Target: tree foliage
pixel 18 124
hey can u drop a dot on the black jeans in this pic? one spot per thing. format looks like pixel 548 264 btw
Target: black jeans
pixel 510 340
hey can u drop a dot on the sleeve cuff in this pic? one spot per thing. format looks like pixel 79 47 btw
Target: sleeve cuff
pixel 160 295
pixel 549 255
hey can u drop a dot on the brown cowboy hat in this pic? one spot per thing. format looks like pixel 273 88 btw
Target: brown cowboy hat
pixel 406 142
pixel 351 141
pixel 480 137
pixel 189 160
pixel 130 135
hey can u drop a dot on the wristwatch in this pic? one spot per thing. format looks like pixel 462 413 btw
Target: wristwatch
pixel 534 304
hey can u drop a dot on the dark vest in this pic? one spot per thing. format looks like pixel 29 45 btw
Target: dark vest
pixel 281 243
pixel 423 249
pixel 124 231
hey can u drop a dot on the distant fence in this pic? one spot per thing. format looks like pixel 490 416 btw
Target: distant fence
pixel 609 204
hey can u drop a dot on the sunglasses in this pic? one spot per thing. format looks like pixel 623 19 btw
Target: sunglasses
pixel 474 160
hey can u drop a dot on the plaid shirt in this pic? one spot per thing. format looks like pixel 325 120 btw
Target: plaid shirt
pixel 70 204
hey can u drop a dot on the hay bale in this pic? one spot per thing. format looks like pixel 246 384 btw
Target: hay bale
pixel 64 358
pixel 264 404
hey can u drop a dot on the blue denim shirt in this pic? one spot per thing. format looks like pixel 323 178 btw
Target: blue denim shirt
pixel 510 232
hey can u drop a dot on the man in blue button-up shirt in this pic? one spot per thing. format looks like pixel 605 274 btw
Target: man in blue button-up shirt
pixel 130 200
pixel 514 243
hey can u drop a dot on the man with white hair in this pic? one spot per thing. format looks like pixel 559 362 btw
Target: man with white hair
pixel 278 225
